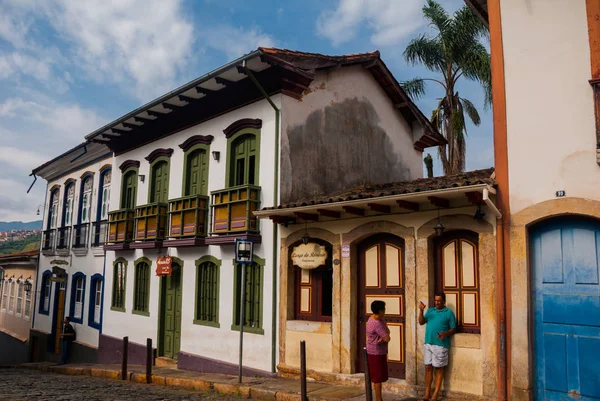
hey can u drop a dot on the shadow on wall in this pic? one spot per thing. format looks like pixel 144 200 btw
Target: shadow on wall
pixel 338 147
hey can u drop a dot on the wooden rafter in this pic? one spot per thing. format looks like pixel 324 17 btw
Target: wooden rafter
pixel 354 210
pixel 224 81
pixel 439 202
pixel 155 113
pixel 111 134
pixel 241 70
pixel 376 207
pixel 203 91
pixel 186 99
pixel 408 205
pixel 120 131
pixel 282 219
pixel 329 213
pixel 307 216
pixel 474 197
pixel 170 106
pixel 142 119
pixel 131 126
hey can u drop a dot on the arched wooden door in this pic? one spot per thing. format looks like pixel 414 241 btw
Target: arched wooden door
pixel 381 277
pixel 170 322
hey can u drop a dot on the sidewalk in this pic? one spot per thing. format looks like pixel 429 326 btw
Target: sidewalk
pixel 271 389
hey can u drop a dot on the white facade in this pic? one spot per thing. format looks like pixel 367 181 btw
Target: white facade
pixel 208 342
pixel 85 262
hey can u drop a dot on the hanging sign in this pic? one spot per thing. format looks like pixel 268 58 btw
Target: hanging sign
pixel 309 256
pixel 164 266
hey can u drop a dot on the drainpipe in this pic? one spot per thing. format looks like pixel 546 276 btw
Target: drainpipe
pixel 275 226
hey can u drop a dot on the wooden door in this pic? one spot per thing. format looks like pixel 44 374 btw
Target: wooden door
pixel 565 257
pixel 128 198
pixel 170 330
pixel 381 277
pixel 243 169
pixel 59 315
pixel 197 173
pixel 160 182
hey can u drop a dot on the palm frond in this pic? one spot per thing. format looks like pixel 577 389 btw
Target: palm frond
pixel 471 111
pixel 437 16
pixel 426 51
pixel 415 88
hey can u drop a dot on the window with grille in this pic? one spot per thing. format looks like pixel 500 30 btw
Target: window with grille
pixel 142 287
pixel 207 294
pixel 119 280
pixel 45 288
pixel 253 282
pixel 457 275
pixel 20 291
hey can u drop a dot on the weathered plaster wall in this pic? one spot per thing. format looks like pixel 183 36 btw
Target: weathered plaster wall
pixel 474 356
pixel 549 102
pixel 344 118
pixel 11 323
pixel 216 343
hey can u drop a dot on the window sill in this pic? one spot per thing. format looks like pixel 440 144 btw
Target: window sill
pixel 117 309
pixel 140 312
pixel 251 330
pixel 309 326
pixel 208 323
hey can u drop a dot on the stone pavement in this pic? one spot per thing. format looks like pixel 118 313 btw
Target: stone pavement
pixel 270 389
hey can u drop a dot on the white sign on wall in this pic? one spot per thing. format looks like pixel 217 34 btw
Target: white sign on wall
pixel 309 256
pixel 345 251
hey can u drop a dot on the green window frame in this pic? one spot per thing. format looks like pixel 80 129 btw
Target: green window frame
pixel 141 287
pixel 119 289
pixel 133 171
pixel 206 308
pixel 185 190
pixel 152 183
pixel 254 281
pixel 233 160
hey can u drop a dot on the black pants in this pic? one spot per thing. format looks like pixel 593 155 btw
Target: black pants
pixel 66 350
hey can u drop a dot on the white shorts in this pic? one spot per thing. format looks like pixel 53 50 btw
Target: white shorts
pixel 435 355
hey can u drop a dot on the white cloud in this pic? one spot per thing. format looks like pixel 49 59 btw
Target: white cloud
pixel 391 21
pixel 235 41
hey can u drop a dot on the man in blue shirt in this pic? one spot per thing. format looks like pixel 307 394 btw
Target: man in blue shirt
pixel 441 324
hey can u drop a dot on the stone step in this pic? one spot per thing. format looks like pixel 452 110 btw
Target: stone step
pixel 165 362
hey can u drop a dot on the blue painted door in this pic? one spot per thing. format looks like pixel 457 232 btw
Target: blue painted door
pixel 566 304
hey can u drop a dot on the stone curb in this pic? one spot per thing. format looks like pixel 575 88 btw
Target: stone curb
pixel 236 390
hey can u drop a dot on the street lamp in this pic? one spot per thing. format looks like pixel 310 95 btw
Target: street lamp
pixel 244 250
pixel 28 285
pixel 439 227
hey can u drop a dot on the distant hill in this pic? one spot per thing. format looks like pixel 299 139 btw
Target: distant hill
pixel 19 225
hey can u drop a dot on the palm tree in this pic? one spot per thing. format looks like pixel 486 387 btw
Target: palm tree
pixel 454 52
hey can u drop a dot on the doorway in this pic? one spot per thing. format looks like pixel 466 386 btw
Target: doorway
pixel 59 313
pixel 381 277
pixel 169 341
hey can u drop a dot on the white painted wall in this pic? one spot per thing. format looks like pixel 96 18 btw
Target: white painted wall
pixel 90 264
pixel 216 343
pixel 550 111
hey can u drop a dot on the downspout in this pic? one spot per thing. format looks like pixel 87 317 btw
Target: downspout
pixel 275 226
pixel 503 265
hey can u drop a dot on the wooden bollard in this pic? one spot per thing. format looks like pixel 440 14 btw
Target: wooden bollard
pixel 303 394
pixel 124 360
pixel 368 391
pixel 149 360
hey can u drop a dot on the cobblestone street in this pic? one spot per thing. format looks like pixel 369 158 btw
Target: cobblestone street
pixel 26 384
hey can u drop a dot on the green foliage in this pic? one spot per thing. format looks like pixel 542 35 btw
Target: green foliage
pixel 454 52
pixel 28 244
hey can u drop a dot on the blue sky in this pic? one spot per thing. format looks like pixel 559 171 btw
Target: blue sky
pixel 68 67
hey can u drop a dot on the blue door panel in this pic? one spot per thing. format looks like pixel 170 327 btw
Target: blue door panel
pixel 589 359
pixel 566 306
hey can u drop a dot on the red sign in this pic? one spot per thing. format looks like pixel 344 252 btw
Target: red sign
pixel 164 266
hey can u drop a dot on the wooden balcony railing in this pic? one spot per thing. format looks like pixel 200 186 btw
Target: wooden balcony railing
pixel 80 235
pixel 232 209
pixel 187 216
pixel 64 238
pixel 151 222
pixel 49 240
pixel 120 226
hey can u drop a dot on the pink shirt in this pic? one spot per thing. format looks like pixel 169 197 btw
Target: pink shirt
pixel 376 329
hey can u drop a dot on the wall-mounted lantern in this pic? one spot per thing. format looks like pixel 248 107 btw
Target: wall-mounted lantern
pixel 439 227
pixel 28 285
pixel 216 155
pixel 142 177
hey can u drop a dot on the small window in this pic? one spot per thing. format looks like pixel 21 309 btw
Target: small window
pixel 457 275
pixel 27 312
pixel 86 200
pixel 47 288
pixel 207 294
pixel 142 288
pixel 69 204
pixel 53 216
pixel 119 280
pixel 97 300
pixel 253 282
pixel 20 292
pixel 11 299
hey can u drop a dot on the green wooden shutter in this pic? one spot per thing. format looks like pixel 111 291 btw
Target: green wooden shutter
pixel 128 197
pixel 243 161
pixel 160 182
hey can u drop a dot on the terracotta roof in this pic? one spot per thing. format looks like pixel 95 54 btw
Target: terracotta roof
pixel 35 252
pixel 372 61
pixel 398 188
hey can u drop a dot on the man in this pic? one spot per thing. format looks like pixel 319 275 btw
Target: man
pixel 441 324
pixel 67 336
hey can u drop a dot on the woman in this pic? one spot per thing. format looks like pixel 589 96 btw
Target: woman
pixel 378 337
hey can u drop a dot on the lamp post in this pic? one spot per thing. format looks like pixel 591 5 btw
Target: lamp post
pixel 244 250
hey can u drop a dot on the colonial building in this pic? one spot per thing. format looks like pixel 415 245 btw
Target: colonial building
pixel 17 283
pixel 71 268
pixel 191 168
pixel 546 91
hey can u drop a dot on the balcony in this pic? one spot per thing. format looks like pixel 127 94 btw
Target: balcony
pixel 150 222
pixel 81 235
pixel 64 238
pixel 99 233
pixel 120 227
pixel 48 240
pixel 187 220
pixel 232 211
